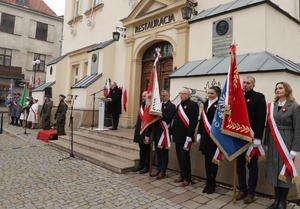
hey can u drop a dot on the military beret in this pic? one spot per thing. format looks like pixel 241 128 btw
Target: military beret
pixel 15 93
pixel 18 94
pixel 46 95
pixel 63 96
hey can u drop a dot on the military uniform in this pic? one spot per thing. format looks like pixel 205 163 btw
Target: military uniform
pixel 46 115
pixel 60 117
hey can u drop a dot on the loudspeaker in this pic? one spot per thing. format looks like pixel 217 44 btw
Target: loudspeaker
pixel 48 91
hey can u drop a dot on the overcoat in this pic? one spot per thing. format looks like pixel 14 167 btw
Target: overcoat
pixel 18 108
pixel 14 107
pixel 179 130
pixel 139 138
pixel 168 111
pixel 115 106
pixel 287 120
pixel 207 145
pixel 257 109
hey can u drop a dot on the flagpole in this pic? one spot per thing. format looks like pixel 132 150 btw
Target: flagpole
pixel 151 150
pixel 234 180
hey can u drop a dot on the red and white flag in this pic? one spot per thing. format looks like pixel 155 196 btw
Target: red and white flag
pixel 39 81
pixel 124 96
pixel 107 88
pixel 152 110
pixel 31 81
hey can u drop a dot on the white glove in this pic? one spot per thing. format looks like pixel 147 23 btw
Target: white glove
pixel 188 139
pixel 147 139
pixel 198 138
pixel 256 142
pixel 171 137
pixel 266 148
pixel 293 154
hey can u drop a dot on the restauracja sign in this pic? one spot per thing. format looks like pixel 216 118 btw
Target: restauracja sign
pixel 155 23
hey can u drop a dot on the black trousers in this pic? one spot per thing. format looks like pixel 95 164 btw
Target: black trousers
pixel 253 173
pixel 162 158
pixel 184 161
pixel 144 155
pixel 115 120
pixel 210 167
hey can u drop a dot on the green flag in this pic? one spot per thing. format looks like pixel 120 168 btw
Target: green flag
pixel 23 99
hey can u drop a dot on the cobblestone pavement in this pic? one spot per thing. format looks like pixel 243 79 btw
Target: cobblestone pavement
pixel 35 175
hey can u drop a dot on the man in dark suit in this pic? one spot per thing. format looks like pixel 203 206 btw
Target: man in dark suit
pixel 183 130
pixel 114 105
pixel 257 110
pixel 161 132
pixel 144 146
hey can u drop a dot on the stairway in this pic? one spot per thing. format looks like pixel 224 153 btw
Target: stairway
pixel 113 150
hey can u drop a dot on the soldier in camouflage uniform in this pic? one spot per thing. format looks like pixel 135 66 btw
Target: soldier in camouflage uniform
pixel 46 113
pixel 60 115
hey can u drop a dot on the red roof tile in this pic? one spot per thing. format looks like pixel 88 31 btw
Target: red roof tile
pixel 37 5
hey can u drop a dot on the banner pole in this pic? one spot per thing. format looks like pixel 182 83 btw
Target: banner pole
pixel 234 180
pixel 151 150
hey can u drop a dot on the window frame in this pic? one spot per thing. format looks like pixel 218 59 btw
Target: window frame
pixel 5 22
pixel 41 30
pixel 40 67
pixel 76 74
pixel 5 56
pixel 77 7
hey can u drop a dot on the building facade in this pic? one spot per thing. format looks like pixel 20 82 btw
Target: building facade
pixel 194 52
pixel 29 31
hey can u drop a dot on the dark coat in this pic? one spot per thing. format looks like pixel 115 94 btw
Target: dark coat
pixel 179 130
pixel 168 112
pixel 257 112
pixel 139 138
pixel 115 106
pixel 288 124
pixel 207 145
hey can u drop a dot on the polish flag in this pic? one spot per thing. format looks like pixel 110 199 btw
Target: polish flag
pixel 39 81
pixel 107 88
pixel 124 97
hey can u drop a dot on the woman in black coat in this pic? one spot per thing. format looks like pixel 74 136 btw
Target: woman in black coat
pixel 207 145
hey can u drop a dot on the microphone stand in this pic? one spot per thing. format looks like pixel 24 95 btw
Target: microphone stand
pixel 93 94
pixel 25 117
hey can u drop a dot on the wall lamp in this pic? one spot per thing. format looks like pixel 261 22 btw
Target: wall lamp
pixel 189 10
pixel 117 34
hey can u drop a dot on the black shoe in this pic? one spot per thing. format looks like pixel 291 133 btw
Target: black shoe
pixel 138 168
pixel 113 128
pixel 144 170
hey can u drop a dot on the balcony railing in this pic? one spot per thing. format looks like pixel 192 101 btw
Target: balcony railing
pixel 11 72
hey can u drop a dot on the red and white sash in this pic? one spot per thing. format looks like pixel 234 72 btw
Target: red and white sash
pixel 33 112
pixel 258 150
pixel 141 113
pixel 184 118
pixel 218 154
pixel 288 167
pixel 164 140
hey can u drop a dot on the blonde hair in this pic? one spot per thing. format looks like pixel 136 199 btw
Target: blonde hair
pixel 288 92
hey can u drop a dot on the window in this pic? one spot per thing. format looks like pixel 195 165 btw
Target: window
pixel 77 8
pixel 96 2
pixel 5 56
pixel 41 31
pixel 41 66
pixel 76 71
pixel 22 1
pixel 7 23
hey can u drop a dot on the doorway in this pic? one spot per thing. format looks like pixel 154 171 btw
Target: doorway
pixel 164 66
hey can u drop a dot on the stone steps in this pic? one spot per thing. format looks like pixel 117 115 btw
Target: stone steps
pixel 95 158
pixel 113 150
